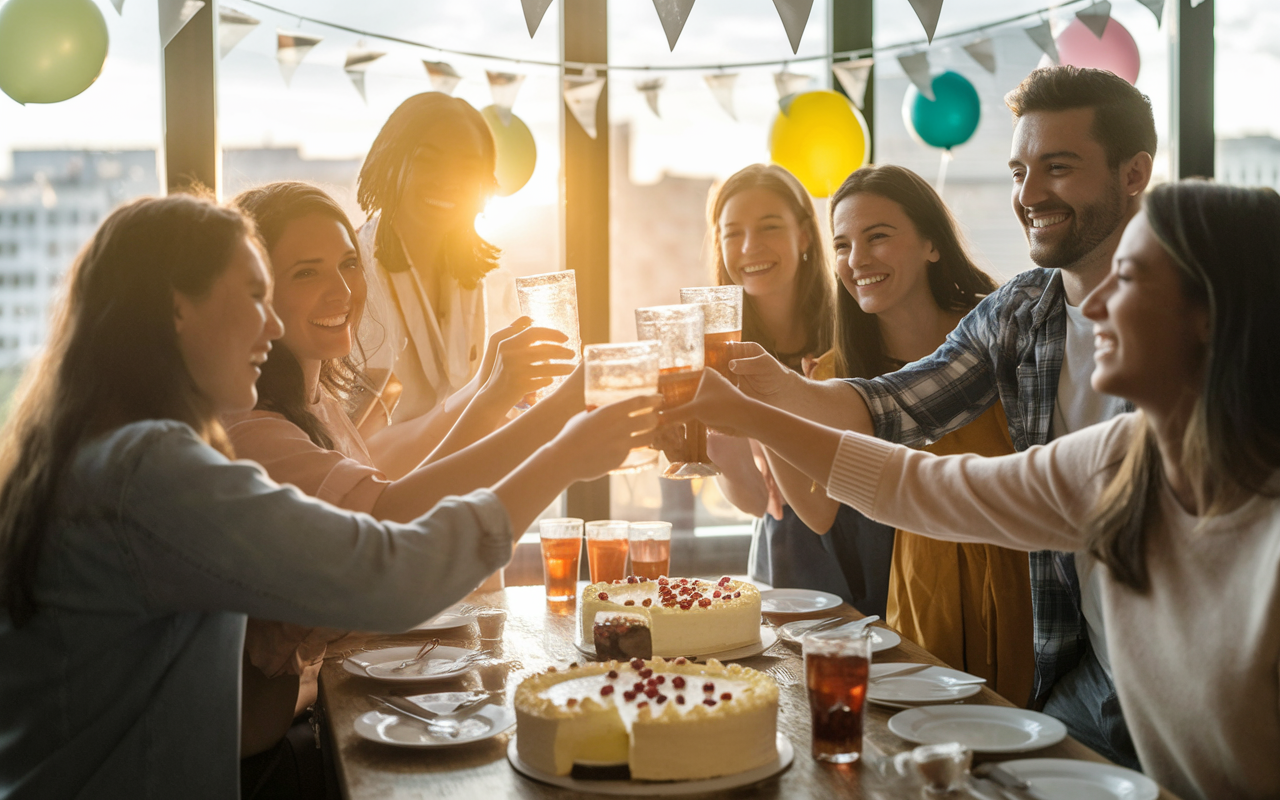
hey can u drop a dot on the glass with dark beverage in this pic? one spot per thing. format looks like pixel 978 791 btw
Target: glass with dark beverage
pixel 836 668
pixel 650 549
pixel 722 324
pixel 678 331
pixel 607 549
pixel 551 301
pixel 616 372
pixel 561 548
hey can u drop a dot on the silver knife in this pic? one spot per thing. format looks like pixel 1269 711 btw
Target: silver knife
pixel 444 727
pixel 1008 782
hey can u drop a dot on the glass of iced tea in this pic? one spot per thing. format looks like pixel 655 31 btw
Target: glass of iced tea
pixel 607 549
pixel 615 372
pixel 551 301
pixel 561 547
pixel 650 549
pixel 722 324
pixel 678 331
pixel 836 668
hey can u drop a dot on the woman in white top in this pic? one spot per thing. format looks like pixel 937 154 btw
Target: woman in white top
pixel 1178 501
pixel 432 293
pixel 132 549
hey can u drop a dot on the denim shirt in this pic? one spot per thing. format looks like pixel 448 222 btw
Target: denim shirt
pixel 1009 347
pixel 126 682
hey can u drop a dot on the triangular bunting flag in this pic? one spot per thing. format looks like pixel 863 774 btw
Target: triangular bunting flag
pixel 291 48
pixel 503 88
pixel 1196 3
pixel 444 78
pixel 795 15
pixel 784 103
pixel 534 11
pixel 789 83
pixel 1096 17
pixel 721 85
pixel 233 26
pixel 984 52
pixel 650 89
pixel 928 12
pixel 582 94
pixel 1155 7
pixel 916 65
pixel 119 4
pixel 358 61
pixel 853 76
pixel 1043 37
pixel 672 14
pixel 174 16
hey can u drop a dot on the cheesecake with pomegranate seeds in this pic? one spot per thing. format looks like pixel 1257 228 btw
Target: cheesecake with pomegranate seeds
pixel 667 720
pixel 687 616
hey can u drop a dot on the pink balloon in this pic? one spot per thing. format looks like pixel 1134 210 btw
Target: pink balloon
pixel 1115 52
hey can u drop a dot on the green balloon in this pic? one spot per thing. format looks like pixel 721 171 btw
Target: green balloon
pixel 50 50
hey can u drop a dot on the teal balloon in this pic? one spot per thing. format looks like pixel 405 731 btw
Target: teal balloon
pixel 947 120
pixel 50 50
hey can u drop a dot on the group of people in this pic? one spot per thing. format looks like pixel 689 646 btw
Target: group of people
pixel 166 606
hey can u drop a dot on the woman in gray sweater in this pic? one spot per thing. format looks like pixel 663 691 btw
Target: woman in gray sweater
pixel 132 548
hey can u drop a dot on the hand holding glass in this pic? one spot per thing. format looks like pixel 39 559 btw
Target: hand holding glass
pixel 615 372
pixel 551 301
pixel 678 331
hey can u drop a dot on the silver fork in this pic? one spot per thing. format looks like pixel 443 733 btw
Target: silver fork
pixel 422 653
pixel 783 675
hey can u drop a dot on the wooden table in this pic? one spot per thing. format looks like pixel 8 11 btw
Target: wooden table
pixel 534 639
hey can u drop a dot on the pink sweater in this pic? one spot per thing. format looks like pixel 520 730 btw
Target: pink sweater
pixel 1196 659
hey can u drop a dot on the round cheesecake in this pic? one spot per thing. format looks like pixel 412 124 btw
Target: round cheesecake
pixel 667 720
pixel 687 616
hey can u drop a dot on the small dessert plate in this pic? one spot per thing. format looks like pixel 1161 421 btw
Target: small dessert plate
pixel 983 729
pixel 442 663
pixel 388 727
pixel 797 601
pixel 932 685
pixel 1069 779
pixel 881 638
pixel 446 622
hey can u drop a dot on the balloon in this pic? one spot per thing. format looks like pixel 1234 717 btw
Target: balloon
pixel 947 120
pixel 1115 52
pixel 820 137
pixel 50 50
pixel 517 152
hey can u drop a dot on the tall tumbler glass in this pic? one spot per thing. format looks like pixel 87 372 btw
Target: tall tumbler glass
pixel 551 301
pixel 561 549
pixel 722 312
pixel 616 372
pixel 650 549
pixel 678 331
pixel 607 549
pixel 836 667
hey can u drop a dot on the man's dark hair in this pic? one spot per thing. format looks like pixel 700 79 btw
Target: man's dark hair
pixel 1122 120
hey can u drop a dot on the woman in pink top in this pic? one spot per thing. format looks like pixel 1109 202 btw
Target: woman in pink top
pixel 1178 500
pixel 301 434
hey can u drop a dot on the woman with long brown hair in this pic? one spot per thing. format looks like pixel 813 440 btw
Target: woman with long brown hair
pixel 907 280
pixel 1178 501
pixel 132 549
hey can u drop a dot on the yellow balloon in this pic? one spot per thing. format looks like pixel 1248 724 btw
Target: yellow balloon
pixel 50 50
pixel 820 137
pixel 516 150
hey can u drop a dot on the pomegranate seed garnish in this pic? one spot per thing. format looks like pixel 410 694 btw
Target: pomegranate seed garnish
pixel 637 663
pixel 646 672
pixel 684 581
pixel 571 702
pixel 662 581
pixel 551 669
pixel 606 690
pixel 704 602
pixel 661 679
pixel 715 594
pixel 603 595
pixel 642 704
pixel 737 594
pixel 724 580
pixel 682 660
pixel 631 579
pixel 678 682
pixel 679 699
pixel 652 691
pixel 612 674
pixel 661 698
pixel 637 687
pixel 708 687
pixel 628 696
pixel 686 605
pixel 648 601
pixel 708 702
pixel 573 665
pixel 630 603
pixel 726 696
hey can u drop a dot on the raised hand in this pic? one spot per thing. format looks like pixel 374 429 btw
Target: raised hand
pixel 594 442
pixel 522 363
pixel 718 405
pixel 758 374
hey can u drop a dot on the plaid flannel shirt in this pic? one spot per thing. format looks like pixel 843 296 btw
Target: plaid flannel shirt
pixel 1009 348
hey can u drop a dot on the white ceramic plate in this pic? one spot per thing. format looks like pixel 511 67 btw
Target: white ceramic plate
pixel 446 622
pixel 983 729
pixel 441 664
pixel 1068 779
pixel 388 727
pixel 881 638
pixel 797 601
pixel 933 685
pixel 657 789
pixel 767 639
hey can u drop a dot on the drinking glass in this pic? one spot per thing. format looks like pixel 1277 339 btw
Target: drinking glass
pixel 561 547
pixel 650 549
pixel 617 372
pixel 722 323
pixel 551 301
pixel 836 666
pixel 607 549
pixel 678 331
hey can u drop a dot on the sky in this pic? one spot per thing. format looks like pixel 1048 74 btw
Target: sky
pixel 323 114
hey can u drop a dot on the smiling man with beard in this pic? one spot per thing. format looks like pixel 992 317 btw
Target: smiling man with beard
pixel 1082 153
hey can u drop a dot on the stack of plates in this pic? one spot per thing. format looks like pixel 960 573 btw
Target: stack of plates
pixel 916 688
